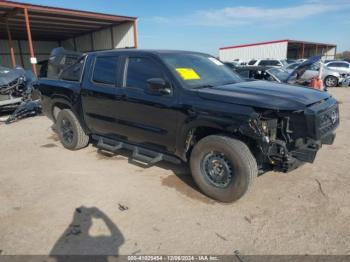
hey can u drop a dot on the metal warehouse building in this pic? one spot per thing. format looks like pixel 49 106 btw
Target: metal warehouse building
pixel 280 49
pixel 28 32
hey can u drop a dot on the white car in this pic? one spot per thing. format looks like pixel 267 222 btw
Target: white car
pixel 331 78
pixel 341 67
pixel 267 62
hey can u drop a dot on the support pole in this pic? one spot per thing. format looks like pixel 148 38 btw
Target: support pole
pixel 20 52
pixel 75 44
pixel 135 33
pixel 12 51
pixel 303 51
pixel 112 38
pixel 92 42
pixel 29 34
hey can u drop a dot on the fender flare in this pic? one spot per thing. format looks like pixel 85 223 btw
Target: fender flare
pixel 185 130
pixel 58 99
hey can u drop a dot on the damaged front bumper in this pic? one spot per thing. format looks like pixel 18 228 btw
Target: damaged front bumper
pixel 285 161
pixel 297 138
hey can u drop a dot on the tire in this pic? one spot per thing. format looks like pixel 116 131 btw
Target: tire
pixel 230 153
pixel 70 132
pixel 331 81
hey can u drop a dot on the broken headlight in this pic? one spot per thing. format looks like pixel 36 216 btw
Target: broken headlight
pixel 269 127
pixel 21 80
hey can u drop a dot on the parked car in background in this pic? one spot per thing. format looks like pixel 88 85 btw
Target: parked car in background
pixel 342 67
pixel 290 61
pixel 14 87
pixel 330 77
pixel 301 60
pixel 267 62
pixel 232 65
pixel 263 73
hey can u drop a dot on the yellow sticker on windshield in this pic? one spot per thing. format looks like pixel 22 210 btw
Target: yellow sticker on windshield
pixel 188 74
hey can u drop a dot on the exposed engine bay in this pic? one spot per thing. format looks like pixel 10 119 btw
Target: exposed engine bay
pixel 16 94
pixel 284 140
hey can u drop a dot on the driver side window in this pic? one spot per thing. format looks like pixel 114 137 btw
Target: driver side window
pixel 139 70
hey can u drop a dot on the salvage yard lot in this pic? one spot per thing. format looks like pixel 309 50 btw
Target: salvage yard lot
pixel 57 201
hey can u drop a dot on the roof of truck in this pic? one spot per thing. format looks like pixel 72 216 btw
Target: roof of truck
pixel 150 51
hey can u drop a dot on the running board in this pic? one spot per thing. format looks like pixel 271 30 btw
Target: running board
pixel 146 156
pixel 112 148
pixel 139 154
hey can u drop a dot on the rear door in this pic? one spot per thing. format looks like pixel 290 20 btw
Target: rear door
pixel 100 93
pixel 146 118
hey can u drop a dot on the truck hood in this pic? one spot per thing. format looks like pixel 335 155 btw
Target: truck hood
pixel 261 94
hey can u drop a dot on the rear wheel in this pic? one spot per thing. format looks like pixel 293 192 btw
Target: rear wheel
pixel 223 167
pixel 331 81
pixel 70 132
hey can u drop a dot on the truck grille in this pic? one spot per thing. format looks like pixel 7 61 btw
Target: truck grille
pixel 322 118
pixel 328 120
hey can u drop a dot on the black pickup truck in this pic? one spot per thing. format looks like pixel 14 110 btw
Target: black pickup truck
pixel 187 107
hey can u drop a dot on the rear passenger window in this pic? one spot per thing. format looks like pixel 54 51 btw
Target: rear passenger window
pixel 141 69
pixel 105 70
pixel 73 72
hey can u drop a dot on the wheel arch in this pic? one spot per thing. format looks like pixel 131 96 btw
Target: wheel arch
pixel 196 131
pixel 60 103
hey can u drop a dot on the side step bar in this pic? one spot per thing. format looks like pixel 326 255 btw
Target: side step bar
pixel 139 154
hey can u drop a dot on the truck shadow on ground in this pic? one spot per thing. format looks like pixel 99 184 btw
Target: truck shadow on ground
pixel 91 232
pixel 181 181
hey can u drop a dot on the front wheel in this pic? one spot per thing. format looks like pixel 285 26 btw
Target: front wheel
pixel 331 81
pixel 223 167
pixel 70 132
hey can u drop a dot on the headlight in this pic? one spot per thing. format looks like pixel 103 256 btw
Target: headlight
pixel 269 127
pixel 21 79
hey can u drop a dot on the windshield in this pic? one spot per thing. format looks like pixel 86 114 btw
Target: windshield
pixel 280 74
pixel 200 70
pixel 252 62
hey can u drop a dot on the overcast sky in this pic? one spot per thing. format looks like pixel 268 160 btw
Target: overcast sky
pixel 207 25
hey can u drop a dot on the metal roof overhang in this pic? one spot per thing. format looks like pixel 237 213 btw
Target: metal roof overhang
pixel 290 42
pixel 50 23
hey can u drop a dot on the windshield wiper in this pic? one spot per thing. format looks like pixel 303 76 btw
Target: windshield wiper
pixel 229 83
pixel 202 86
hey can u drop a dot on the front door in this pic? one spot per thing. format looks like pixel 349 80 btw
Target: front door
pixel 146 118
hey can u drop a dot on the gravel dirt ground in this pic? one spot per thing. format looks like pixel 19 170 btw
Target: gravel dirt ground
pixel 55 201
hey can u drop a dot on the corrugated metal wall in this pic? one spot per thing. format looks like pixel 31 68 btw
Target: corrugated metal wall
pixel 21 48
pixel 273 50
pixel 330 54
pixel 118 36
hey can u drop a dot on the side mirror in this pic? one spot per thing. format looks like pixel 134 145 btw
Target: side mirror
pixel 158 86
